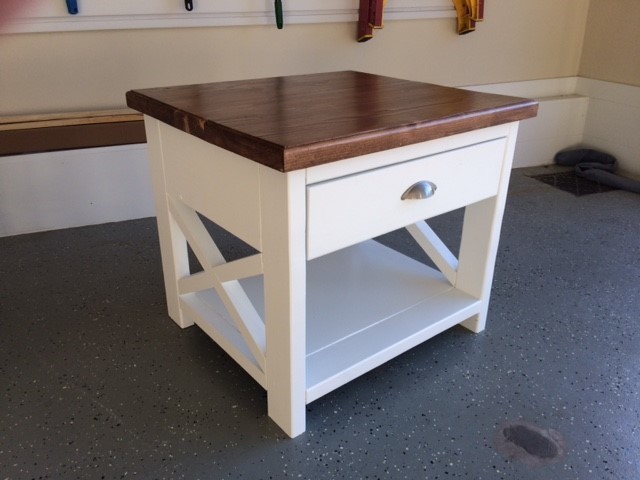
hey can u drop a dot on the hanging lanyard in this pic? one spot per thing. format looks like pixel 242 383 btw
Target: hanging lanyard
pixel 72 6
pixel 279 16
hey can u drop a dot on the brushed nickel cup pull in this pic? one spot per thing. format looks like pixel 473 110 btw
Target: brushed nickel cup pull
pixel 420 190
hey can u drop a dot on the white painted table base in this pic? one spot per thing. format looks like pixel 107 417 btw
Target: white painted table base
pixel 321 304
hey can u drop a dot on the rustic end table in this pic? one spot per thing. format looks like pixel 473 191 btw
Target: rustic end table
pixel 307 169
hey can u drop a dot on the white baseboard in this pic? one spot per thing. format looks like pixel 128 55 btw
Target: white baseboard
pixel 56 190
pixel 549 87
pixel 48 191
pixel 576 111
pixel 559 125
pixel 613 122
pixel 560 121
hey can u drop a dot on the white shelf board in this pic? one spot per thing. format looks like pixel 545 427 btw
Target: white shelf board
pixel 366 304
pixel 206 310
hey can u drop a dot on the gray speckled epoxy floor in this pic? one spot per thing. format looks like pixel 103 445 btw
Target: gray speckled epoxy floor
pixel 97 382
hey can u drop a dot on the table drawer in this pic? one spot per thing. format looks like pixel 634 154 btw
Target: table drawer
pixel 351 209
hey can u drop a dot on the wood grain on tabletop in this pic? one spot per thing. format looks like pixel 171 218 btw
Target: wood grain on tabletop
pixel 300 121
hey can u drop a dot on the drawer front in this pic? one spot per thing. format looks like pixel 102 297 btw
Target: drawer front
pixel 351 209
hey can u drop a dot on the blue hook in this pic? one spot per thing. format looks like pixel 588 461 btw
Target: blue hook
pixel 72 6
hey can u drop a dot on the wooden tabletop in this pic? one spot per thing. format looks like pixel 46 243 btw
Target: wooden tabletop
pixel 294 122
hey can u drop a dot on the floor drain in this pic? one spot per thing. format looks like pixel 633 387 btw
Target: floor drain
pixel 570 182
pixel 529 443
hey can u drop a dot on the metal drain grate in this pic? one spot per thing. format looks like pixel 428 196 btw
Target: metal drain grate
pixel 570 182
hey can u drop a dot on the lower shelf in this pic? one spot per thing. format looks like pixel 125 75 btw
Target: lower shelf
pixel 366 304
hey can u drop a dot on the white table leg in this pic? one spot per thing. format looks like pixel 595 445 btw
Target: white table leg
pixel 283 220
pixel 479 243
pixel 173 245
pixel 477 256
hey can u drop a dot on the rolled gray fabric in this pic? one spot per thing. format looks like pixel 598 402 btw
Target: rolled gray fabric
pixel 597 167
pixel 571 158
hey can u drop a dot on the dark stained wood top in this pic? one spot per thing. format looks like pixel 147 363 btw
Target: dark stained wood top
pixel 294 122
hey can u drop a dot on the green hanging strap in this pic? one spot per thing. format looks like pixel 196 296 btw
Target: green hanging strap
pixel 279 17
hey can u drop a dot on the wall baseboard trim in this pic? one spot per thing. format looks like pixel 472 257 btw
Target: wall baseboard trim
pixel 612 122
pixel 577 111
pixel 560 122
pixel 617 93
pixel 539 89
pixel 72 188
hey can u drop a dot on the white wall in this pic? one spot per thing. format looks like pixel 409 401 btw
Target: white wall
pixel 92 70
pixel 578 111
pixel 611 42
pixel 613 121
pixel 560 121
pixel 47 191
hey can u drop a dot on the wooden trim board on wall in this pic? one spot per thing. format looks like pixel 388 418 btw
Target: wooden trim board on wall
pixel 69 131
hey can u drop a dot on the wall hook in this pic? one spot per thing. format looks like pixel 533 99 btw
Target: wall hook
pixel 72 7
pixel 188 4
pixel 369 18
pixel 279 16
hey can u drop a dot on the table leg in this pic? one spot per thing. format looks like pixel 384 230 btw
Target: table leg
pixel 173 245
pixel 283 221
pixel 477 256
pixel 479 243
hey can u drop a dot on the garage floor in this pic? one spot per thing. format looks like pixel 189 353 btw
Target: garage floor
pixel 97 382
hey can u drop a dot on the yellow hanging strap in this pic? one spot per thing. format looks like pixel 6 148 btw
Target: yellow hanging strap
pixel 469 12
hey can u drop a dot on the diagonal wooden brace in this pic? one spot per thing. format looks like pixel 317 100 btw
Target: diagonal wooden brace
pixel 223 277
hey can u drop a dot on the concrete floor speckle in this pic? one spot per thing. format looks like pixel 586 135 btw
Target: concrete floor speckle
pixel 97 381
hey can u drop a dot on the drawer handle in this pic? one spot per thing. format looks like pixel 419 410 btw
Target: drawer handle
pixel 420 190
